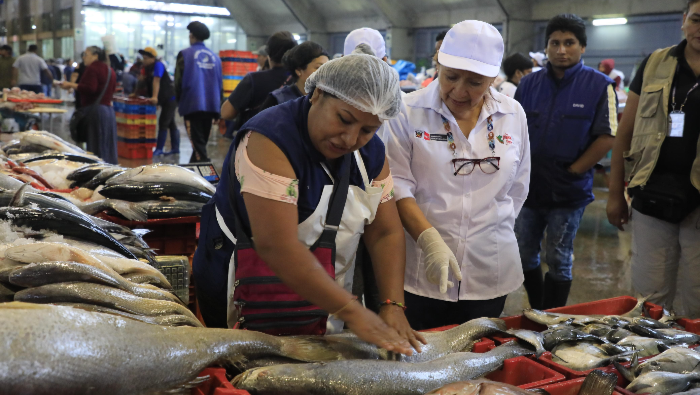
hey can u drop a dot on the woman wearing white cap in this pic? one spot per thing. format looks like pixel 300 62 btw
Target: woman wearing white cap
pixel 460 157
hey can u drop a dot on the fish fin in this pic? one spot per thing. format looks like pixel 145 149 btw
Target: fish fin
pixel 18 199
pixel 628 374
pixel 129 210
pixel 598 383
pixel 185 389
pixel 308 349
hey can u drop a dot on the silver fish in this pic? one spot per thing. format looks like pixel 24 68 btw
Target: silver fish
pixel 163 320
pixel 549 318
pixel 479 387
pixel 374 377
pixel 56 350
pixel 554 337
pixel 675 360
pixel 663 382
pixel 532 337
pixel 646 346
pixel 581 356
pixel 162 173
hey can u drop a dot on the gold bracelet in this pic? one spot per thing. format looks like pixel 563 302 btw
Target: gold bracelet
pixel 354 298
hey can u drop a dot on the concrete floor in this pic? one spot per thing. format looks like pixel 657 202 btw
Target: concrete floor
pixel 598 274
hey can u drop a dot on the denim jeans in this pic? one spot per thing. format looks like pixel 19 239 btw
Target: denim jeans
pixel 561 225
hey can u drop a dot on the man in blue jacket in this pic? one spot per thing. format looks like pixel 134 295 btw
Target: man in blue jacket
pixel 198 88
pixel 572 117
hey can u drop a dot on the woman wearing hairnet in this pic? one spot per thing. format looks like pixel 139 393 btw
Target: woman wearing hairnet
pixel 307 180
pixel 460 157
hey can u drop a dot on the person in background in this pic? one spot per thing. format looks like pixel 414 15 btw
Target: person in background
pixel 117 63
pixel 56 76
pixel 572 118
pixel 247 99
pixel 660 160
pixel 130 80
pixel 438 43
pixel 516 67
pixel 100 121
pixel 69 69
pixel 198 89
pixel 459 154
pixel 6 62
pixel 539 60
pixel 28 70
pixel 263 58
pixel 75 78
pixel 301 61
pixel 607 67
pixel 366 35
pixel 158 87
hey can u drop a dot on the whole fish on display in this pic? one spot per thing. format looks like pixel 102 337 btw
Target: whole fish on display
pixel 128 210
pixel 87 172
pixel 102 177
pixel 675 360
pixel 480 387
pixel 663 383
pixel 56 350
pixel 646 346
pixel 555 336
pixel 139 192
pixel 64 223
pixel 163 320
pixel 582 356
pixel 362 377
pixel 82 158
pixel 667 334
pixel 156 209
pixel 159 173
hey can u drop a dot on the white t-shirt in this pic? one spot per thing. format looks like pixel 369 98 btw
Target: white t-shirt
pixel 508 88
pixel 29 67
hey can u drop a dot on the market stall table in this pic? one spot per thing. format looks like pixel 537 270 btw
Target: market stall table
pixel 45 110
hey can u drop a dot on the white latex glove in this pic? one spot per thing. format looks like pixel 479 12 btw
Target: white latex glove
pixel 439 259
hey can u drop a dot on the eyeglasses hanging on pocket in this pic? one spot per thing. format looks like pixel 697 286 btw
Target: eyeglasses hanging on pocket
pixel 465 167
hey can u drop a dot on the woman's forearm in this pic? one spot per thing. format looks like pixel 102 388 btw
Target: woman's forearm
pixel 412 217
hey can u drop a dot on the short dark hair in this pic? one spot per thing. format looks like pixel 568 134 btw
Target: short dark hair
pixel 32 48
pixel 690 3
pixel 300 56
pixel 515 62
pixel 278 44
pixel 442 34
pixel 101 55
pixel 567 23
pixel 7 48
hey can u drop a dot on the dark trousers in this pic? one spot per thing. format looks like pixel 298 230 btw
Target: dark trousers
pixel 166 122
pixel 364 284
pixel 427 313
pixel 32 88
pixel 198 126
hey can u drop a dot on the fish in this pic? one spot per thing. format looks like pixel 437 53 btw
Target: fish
pixel 141 278
pixel 667 334
pixel 82 158
pixel 128 210
pixel 675 360
pixel 598 382
pixel 85 173
pixel 532 337
pixel 159 172
pixel 458 339
pixel 102 177
pixel 163 320
pixel 694 391
pixel 38 274
pixel 646 346
pixel 650 323
pixel 61 350
pixel 616 335
pixel 139 192
pixel 64 223
pixel 166 209
pixel 600 330
pixel 479 387
pixel 45 251
pixel 374 377
pixel 549 318
pixel 581 356
pixel 52 142
pixel 663 382
pixel 9 183
pixel 79 292
pixel 554 337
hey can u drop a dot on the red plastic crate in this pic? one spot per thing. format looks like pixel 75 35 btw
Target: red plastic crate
pixel 217 384
pixel 170 236
pixel 135 151
pixel 525 373
pixel 572 387
pixel 479 347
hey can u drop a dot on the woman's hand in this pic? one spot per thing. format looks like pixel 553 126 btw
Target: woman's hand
pixel 372 329
pixel 68 85
pixel 153 100
pixel 395 318
pixel 618 210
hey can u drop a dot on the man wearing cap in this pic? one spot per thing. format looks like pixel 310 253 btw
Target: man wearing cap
pixel 459 154
pixel 246 100
pixel 158 87
pixel 198 89
pixel 572 118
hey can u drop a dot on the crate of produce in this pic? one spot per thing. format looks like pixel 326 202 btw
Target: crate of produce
pixel 132 132
pixel 135 150
pixel 479 347
pixel 572 387
pixel 525 373
pixel 218 384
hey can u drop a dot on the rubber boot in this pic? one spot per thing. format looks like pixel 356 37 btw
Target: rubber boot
pixel 533 285
pixel 174 142
pixel 160 142
pixel 555 292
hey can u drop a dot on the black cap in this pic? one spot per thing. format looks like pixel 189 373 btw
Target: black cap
pixel 199 30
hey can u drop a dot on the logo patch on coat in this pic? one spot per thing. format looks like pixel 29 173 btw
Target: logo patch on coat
pixel 419 134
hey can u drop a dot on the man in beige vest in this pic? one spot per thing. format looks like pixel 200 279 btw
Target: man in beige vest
pixel 656 151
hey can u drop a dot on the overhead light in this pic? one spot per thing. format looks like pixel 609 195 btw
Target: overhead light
pixel 171 24
pixel 33 27
pixel 231 41
pixel 158 6
pixel 296 37
pixel 609 21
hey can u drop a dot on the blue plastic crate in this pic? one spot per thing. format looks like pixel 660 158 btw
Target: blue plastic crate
pixel 233 77
pixel 139 109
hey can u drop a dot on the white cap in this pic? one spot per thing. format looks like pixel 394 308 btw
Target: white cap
pixel 367 36
pixel 474 46
pixel 538 56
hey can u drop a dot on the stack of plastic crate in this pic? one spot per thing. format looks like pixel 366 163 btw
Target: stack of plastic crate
pixel 136 127
pixel 235 65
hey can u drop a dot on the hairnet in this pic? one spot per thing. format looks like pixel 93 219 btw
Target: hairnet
pixel 363 81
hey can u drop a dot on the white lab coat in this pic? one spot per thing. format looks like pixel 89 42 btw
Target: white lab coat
pixel 475 213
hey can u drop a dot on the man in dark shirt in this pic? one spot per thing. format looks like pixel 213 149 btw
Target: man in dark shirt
pixel 247 99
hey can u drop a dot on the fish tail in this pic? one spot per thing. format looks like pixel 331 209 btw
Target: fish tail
pixel 628 374
pixel 129 210
pixel 598 383
pixel 18 198
pixel 308 349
